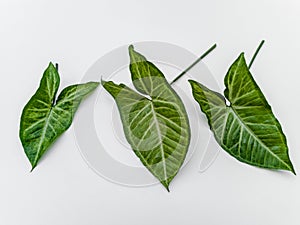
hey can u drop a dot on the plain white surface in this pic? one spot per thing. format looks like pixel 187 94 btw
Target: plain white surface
pixel 64 191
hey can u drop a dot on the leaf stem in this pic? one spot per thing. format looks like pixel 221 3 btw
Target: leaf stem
pixel 256 52
pixel 194 63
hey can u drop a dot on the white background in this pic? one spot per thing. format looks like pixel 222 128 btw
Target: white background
pixel 64 191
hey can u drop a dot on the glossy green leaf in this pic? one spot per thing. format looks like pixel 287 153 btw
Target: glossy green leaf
pixel 156 125
pixel 247 128
pixel 45 118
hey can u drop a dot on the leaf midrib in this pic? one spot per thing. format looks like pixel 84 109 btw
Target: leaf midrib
pixel 160 139
pixel 43 135
pixel 236 115
pixel 155 121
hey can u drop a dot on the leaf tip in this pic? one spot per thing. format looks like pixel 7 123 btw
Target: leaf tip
pixel 166 185
pixel 290 167
pixel 131 48
pixel 293 171
pixel 167 188
pixel 242 55
pixel 192 82
pixel 131 52
pixel 51 65
pixel 32 168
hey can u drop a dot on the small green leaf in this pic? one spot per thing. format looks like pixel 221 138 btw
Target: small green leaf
pixel 247 128
pixel 156 126
pixel 44 118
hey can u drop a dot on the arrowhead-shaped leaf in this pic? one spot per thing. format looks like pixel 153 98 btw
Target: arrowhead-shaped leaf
pixel 247 128
pixel 45 118
pixel 156 126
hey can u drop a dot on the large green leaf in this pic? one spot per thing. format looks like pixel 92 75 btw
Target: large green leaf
pixel 44 118
pixel 247 128
pixel 156 126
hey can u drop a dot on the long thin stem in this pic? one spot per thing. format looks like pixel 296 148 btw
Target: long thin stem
pixel 256 52
pixel 194 63
pixel 56 66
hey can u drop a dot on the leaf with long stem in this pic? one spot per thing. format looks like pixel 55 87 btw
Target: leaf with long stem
pixel 154 120
pixel 247 128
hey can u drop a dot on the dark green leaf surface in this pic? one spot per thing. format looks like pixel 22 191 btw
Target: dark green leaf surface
pixel 43 119
pixel 156 126
pixel 247 129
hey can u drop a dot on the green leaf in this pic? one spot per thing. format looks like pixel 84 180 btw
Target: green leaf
pixel 156 125
pixel 247 128
pixel 44 118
